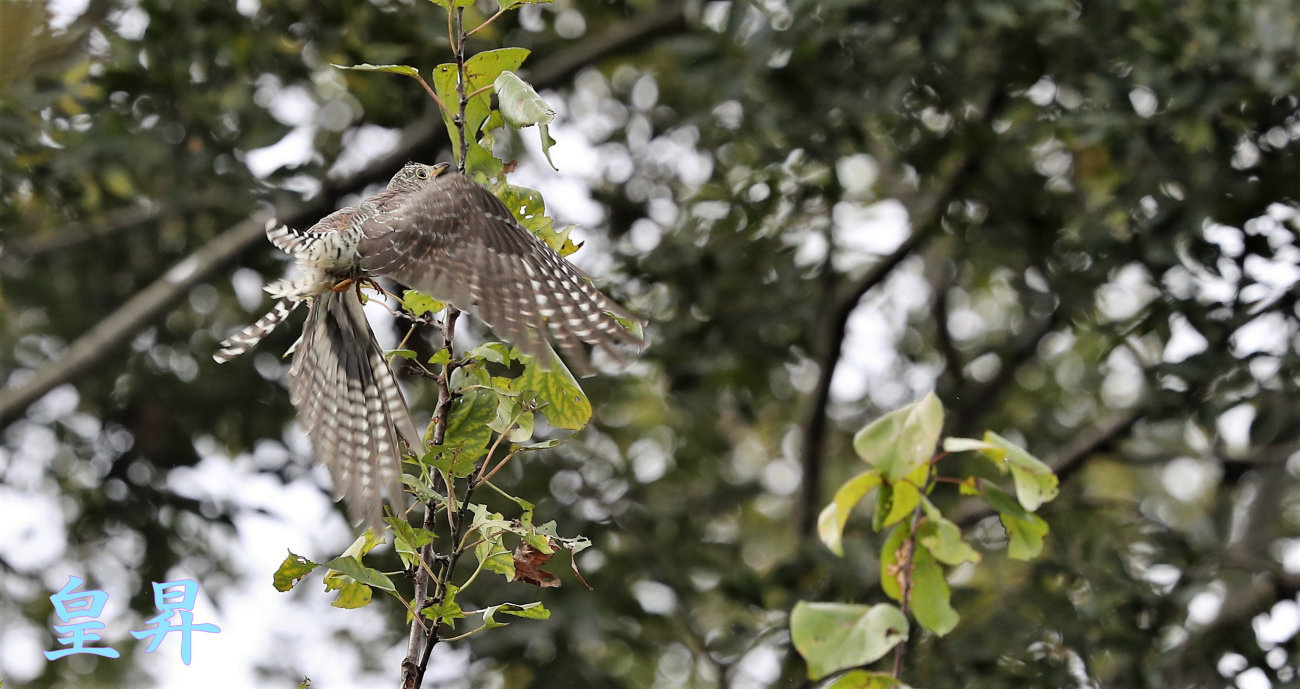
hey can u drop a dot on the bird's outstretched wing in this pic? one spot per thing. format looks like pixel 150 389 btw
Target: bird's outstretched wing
pixel 454 240
pixel 349 403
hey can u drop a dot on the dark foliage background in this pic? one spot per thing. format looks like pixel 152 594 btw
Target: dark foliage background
pixel 1100 263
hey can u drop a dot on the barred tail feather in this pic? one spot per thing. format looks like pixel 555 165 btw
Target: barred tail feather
pixel 247 338
pixel 350 405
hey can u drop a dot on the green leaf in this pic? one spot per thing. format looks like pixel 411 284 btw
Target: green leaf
pixel 495 352
pixel 529 209
pixel 930 599
pixel 861 679
pixel 404 70
pixel 419 303
pixel 835 636
pixel 468 433
pixel 514 415
pixel 895 502
pixel 900 441
pixel 1035 482
pixel 1026 531
pixel 519 104
pixel 891 563
pixel 955 445
pixel 830 523
pixel 544 133
pixel 520 107
pixel 455 462
pixel 512 4
pixel 943 539
pixel 529 611
pixel 449 4
pixel 407 540
pixel 491 553
pixel 352 567
pixel 353 595
pixel 291 571
pixel 365 543
pixel 481 70
pixel 403 353
pixel 446 611
pixel 562 399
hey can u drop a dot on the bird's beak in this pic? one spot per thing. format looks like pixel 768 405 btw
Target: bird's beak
pixel 439 168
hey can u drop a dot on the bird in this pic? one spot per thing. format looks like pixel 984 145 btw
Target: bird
pixel 443 234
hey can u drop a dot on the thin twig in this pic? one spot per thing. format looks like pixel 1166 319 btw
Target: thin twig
pixel 487 21
pixel 909 560
pixel 429 90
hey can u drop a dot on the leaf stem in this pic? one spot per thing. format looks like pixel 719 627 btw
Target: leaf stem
pixel 487 21
pixel 907 565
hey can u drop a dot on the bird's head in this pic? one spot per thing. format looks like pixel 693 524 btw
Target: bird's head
pixel 413 176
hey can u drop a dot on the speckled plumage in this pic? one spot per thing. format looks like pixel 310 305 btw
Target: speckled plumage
pixel 444 235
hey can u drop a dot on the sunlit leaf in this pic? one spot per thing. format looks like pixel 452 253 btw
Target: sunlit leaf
pixel 353 594
pixel 480 70
pixel 830 523
pixel 513 4
pixel 836 636
pixel 861 679
pixel 562 399
pixel 900 441
pixel 1035 482
pixel 419 303
pixel 519 104
pixel 291 571
pixel 404 70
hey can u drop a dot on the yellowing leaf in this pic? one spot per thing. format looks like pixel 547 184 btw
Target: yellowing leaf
pixel 291 571
pixel 561 398
pixel 353 595
pixel 830 523
pixel 861 679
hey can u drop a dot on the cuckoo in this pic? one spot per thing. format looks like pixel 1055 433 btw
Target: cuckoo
pixel 447 236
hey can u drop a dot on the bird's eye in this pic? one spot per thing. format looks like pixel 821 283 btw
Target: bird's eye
pixel 422 173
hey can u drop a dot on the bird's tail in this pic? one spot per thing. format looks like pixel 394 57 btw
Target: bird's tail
pixel 349 403
pixel 247 338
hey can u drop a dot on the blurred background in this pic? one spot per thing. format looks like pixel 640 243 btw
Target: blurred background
pixel 1075 221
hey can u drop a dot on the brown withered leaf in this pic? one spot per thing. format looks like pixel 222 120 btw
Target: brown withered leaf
pixel 528 567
